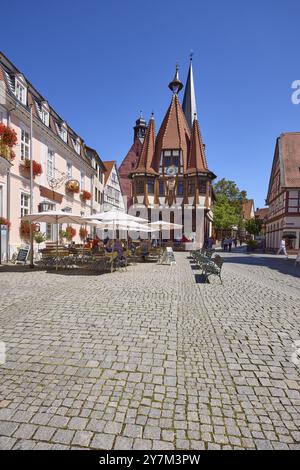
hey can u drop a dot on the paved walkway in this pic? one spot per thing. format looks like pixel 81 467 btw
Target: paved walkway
pixel 151 359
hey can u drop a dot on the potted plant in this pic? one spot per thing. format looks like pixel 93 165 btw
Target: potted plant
pixel 85 195
pixel 251 245
pixel 72 186
pixel 62 235
pixel 39 238
pixel 70 233
pixel 8 139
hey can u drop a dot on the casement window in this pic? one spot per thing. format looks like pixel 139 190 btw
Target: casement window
pixel 161 188
pixel 82 178
pixel 139 186
pixel 180 188
pixel 20 92
pixel 202 187
pixel 77 145
pixel 69 171
pixel 45 116
pixel 49 231
pixel 96 194
pixel 62 131
pixel 50 163
pixel 25 200
pixel 191 188
pixel 24 144
pixel 151 187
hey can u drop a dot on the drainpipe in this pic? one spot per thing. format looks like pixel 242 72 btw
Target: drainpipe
pixel 31 188
pixel 8 202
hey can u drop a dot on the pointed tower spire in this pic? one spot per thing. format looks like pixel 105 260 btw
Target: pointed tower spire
pixel 197 159
pixel 176 85
pixel 189 100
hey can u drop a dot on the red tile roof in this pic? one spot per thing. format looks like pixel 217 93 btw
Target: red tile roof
pixel 248 207
pixel 174 133
pixel 146 159
pixel 197 160
pixel 290 154
pixel 108 169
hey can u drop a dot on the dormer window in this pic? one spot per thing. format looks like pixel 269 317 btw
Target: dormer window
pixel 43 111
pixel 77 145
pixel 170 162
pixel 20 89
pixel 62 130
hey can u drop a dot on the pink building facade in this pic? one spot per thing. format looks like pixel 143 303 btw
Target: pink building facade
pixel 65 162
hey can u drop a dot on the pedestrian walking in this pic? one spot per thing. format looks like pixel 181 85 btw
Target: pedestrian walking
pixel 225 244
pixel 235 241
pixel 282 248
pixel 230 244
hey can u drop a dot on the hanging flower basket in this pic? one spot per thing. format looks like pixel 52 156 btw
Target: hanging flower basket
pixel 25 229
pixel 4 221
pixel 85 195
pixel 83 233
pixel 70 232
pixel 37 169
pixel 8 139
pixel 72 186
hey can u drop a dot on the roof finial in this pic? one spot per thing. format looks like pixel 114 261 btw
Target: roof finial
pixel 191 54
pixel 176 85
pixel 152 115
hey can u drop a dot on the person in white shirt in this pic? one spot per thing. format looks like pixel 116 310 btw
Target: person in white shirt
pixel 282 248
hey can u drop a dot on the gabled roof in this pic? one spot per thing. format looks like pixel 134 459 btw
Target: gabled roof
pixel 174 133
pixel 290 153
pixel 262 214
pixel 248 209
pixel 145 161
pixel 108 169
pixel 197 160
pixel 130 161
pixel 287 159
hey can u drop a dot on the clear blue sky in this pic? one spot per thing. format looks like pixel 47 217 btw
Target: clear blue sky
pixel 99 62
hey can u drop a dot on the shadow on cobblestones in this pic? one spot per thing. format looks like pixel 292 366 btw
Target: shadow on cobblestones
pixel 281 265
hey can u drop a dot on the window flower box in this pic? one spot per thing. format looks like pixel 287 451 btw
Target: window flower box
pixel 8 140
pixel 37 169
pixel 85 196
pixel 72 186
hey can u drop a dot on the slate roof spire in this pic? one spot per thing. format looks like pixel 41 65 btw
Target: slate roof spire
pixel 189 100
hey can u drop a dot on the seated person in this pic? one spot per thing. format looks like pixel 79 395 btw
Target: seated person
pixel 118 248
pixel 108 247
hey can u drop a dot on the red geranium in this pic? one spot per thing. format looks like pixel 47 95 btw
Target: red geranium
pixel 83 233
pixel 70 232
pixel 85 195
pixel 36 167
pixel 25 229
pixel 8 136
pixel 4 221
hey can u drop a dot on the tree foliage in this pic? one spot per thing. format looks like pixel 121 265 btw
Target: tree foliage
pixel 253 226
pixel 228 210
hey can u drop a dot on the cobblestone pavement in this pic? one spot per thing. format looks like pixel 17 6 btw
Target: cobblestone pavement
pixel 151 359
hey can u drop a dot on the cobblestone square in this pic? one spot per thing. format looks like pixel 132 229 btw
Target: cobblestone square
pixel 150 358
